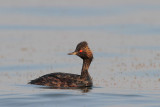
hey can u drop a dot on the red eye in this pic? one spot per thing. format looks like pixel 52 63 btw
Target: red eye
pixel 81 51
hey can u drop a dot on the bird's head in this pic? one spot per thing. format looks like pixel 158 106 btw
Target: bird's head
pixel 83 51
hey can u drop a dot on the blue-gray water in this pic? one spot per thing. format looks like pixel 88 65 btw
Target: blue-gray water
pixel 35 37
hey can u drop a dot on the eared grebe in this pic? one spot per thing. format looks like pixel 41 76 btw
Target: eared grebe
pixel 64 80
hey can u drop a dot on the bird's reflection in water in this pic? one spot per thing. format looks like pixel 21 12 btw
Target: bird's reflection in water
pixel 82 89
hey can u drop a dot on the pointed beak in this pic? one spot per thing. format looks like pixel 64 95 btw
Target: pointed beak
pixel 72 53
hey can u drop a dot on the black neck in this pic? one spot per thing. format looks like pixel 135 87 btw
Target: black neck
pixel 85 67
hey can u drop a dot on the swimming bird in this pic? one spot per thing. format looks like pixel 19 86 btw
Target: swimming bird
pixel 66 80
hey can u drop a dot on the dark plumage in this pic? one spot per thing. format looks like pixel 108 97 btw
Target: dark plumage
pixel 66 80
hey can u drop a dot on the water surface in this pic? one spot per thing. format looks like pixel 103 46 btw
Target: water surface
pixel 35 38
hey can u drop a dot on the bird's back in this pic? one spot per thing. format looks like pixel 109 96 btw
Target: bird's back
pixel 62 80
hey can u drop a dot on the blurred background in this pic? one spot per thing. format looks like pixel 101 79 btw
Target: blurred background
pixel 124 35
